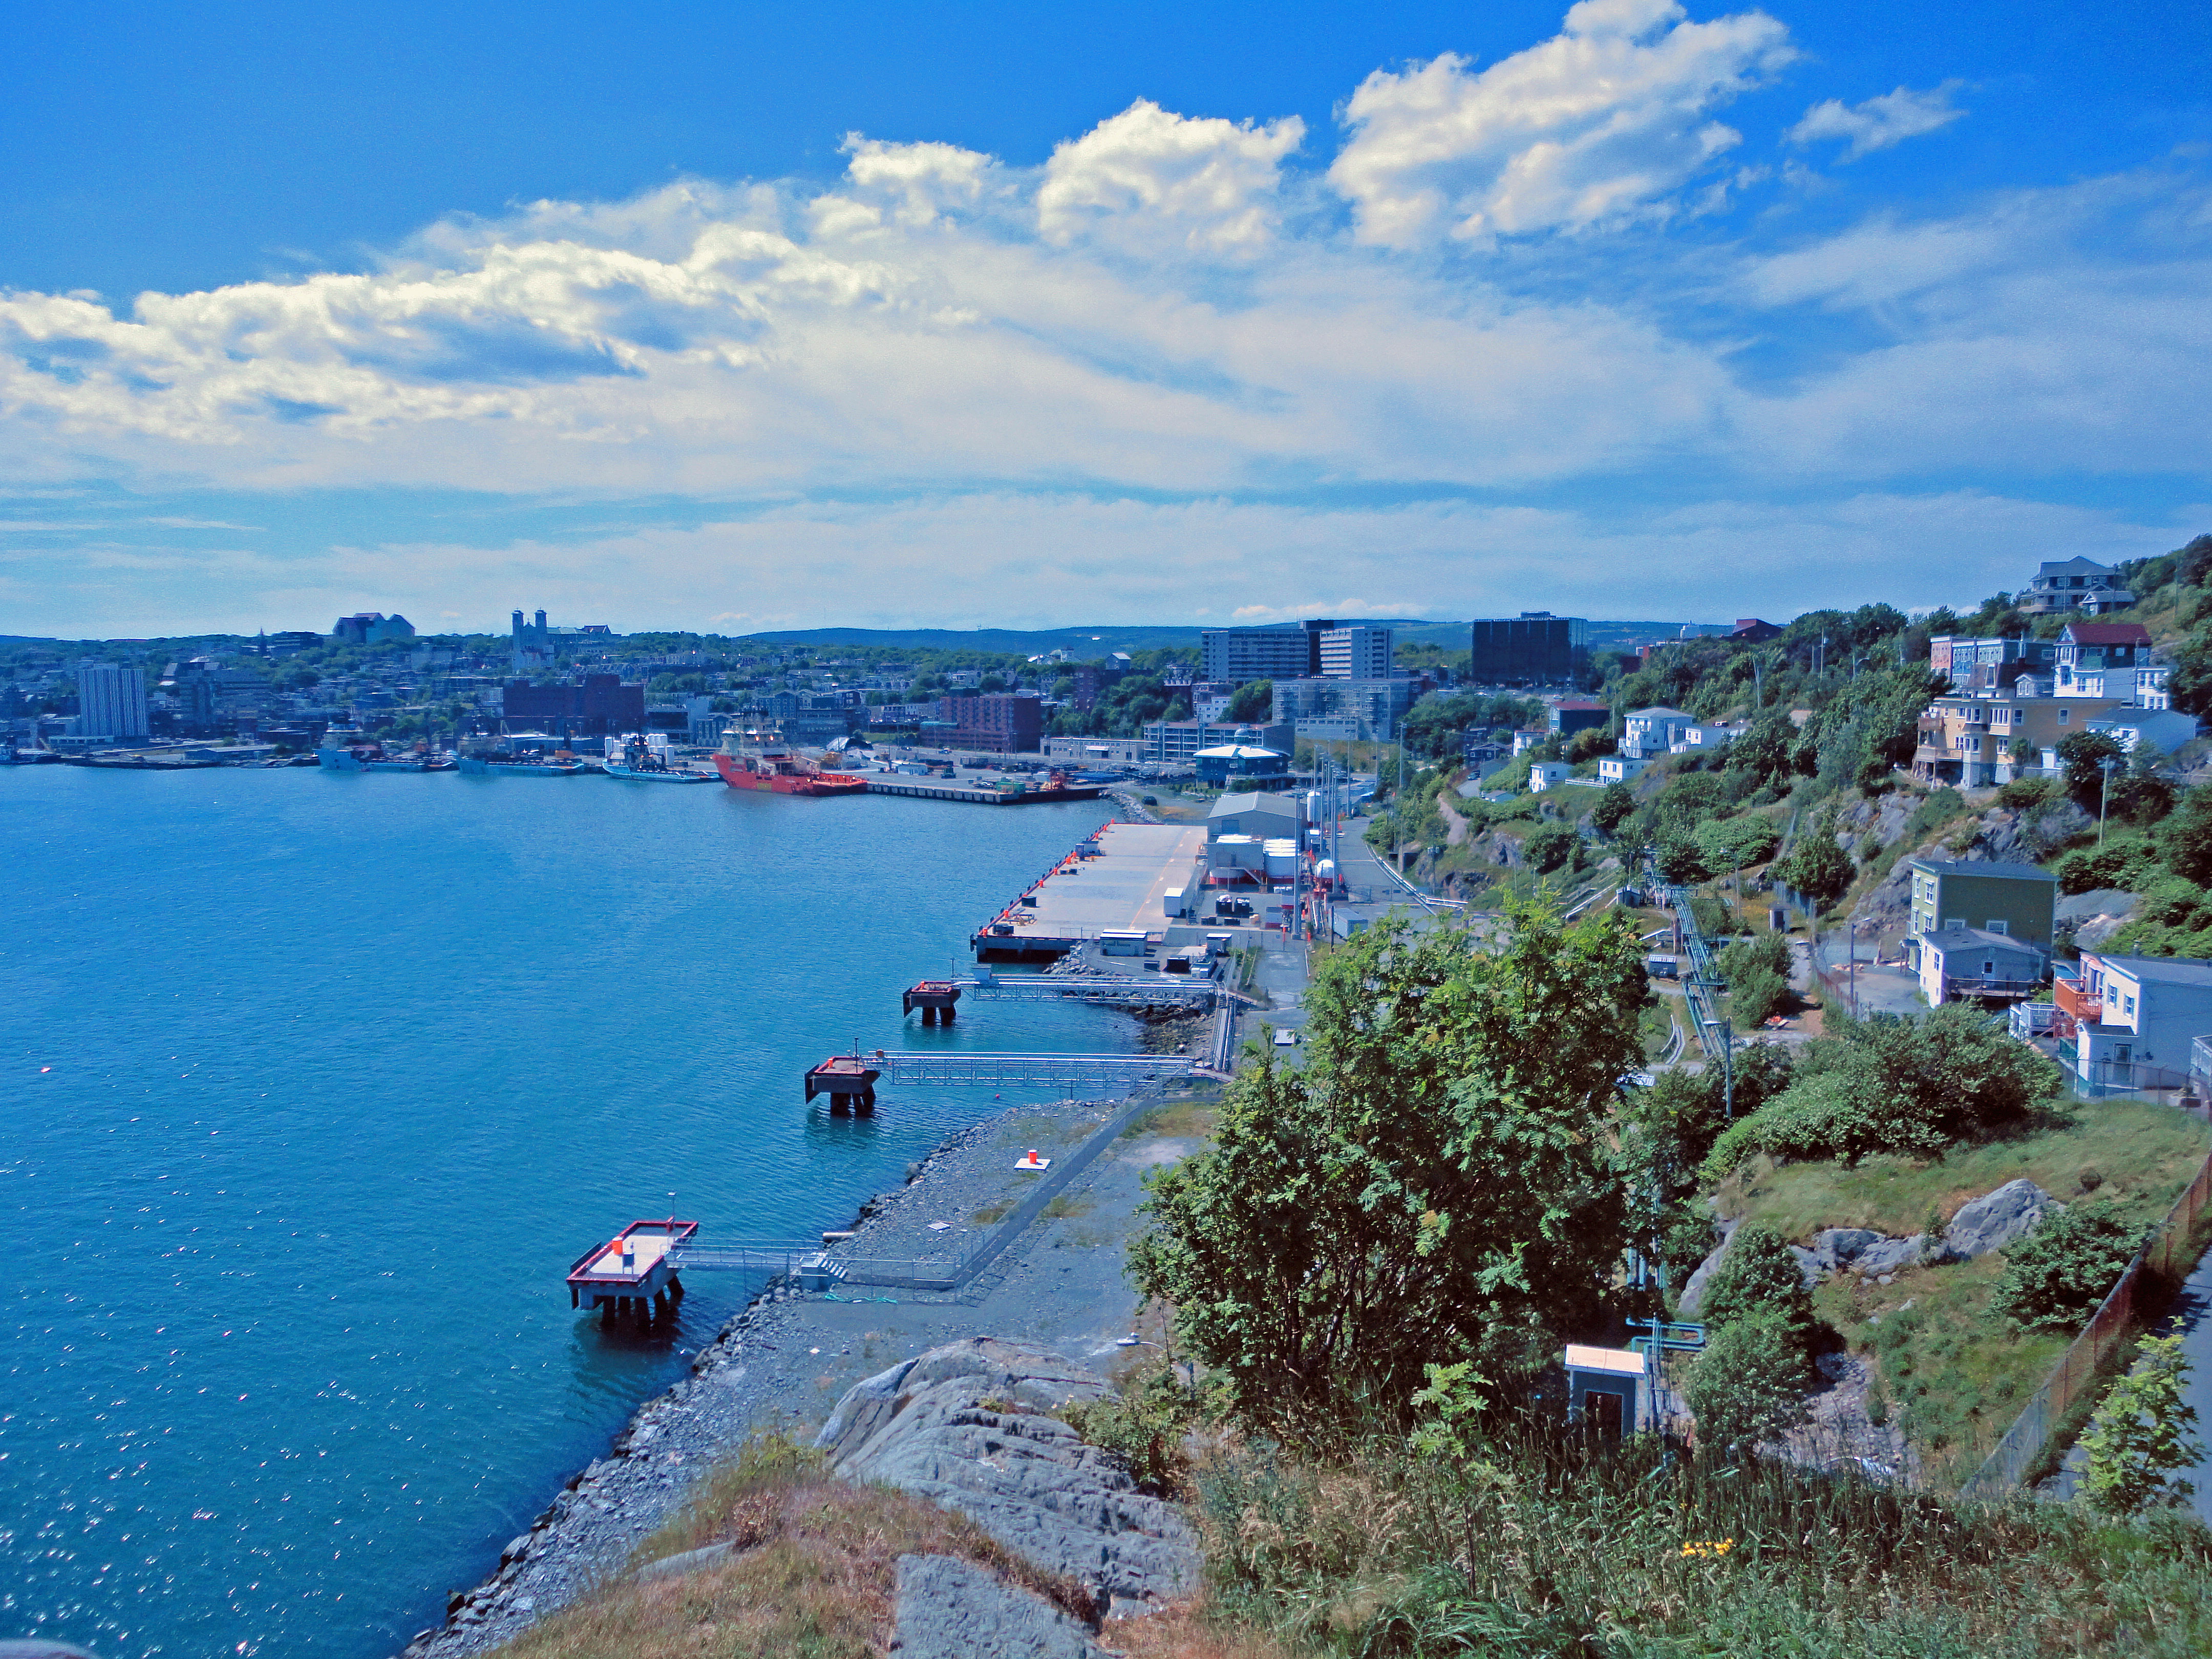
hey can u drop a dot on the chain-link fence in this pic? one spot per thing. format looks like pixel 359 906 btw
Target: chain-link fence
pixel 2139 1296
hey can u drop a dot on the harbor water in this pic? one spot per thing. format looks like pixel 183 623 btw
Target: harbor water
pixel 316 1082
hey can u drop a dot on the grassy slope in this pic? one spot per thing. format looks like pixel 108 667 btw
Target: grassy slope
pixel 1959 1374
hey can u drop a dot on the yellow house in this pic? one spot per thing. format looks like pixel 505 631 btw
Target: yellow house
pixel 1968 741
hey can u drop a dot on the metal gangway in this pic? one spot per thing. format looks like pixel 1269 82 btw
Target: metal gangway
pixel 1157 990
pixel 1027 1070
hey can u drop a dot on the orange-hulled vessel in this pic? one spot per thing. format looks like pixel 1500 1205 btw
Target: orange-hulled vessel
pixel 783 771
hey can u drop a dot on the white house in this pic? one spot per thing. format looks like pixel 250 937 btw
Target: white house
pixel 1700 735
pixel 1620 768
pixel 2151 691
pixel 2129 1021
pixel 1653 730
pixel 1547 774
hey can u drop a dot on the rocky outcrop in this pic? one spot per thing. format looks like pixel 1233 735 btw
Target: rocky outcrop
pixel 1835 1248
pixel 1994 1220
pixel 968 1426
pixel 1693 1291
pixel 1888 1256
pixel 38 1648
pixel 948 1608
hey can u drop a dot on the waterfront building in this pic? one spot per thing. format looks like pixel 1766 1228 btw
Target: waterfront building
pixel 111 700
pixel 994 722
pixel 597 706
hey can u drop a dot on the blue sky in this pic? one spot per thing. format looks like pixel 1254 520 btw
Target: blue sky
pixel 773 316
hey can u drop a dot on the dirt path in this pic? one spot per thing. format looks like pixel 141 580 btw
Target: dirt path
pixel 1456 826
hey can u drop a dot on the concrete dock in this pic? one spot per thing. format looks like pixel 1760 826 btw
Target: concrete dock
pixel 990 790
pixel 1116 881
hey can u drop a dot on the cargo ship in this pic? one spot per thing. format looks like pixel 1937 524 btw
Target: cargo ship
pixel 784 771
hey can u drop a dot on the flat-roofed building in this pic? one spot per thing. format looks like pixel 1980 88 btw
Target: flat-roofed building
pixel 1534 648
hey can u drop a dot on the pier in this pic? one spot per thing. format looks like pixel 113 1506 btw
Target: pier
pixel 1117 882
pixel 632 1275
pixel 978 794
pixel 936 997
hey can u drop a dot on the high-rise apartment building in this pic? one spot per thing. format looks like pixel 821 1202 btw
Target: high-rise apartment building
pixel 1534 648
pixel 111 700
pixel 1356 652
pixel 1304 651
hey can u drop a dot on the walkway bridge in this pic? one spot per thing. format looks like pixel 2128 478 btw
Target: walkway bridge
pixel 850 1080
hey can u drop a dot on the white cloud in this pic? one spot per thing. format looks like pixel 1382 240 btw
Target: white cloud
pixel 1209 183
pixel 1880 122
pixel 1603 122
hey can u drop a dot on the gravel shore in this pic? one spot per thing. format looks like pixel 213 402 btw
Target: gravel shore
pixel 785 1363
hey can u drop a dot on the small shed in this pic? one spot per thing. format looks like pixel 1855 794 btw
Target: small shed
pixel 1604 1388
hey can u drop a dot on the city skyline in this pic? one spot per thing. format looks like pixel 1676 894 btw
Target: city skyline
pixel 1620 310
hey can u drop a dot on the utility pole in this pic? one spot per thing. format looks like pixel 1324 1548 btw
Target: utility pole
pixel 1854 968
pixel 2104 795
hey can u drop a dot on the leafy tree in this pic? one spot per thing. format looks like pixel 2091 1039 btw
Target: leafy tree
pixel 2189 836
pixel 1616 805
pixel 1726 844
pixel 1551 847
pixel 2127 862
pixel 2140 1434
pixel 1428 1189
pixel 1759 1279
pixel 1680 861
pixel 1748 1386
pixel 2081 759
pixel 1817 866
pixel 1254 701
pixel 2054 1277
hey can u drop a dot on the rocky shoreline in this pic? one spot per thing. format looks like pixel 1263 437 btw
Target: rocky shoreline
pixel 782 1363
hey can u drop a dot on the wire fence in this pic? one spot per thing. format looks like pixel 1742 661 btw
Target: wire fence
pixel 2141 1296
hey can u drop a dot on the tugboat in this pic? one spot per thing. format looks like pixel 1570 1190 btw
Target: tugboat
pixel 642 764
pixel 782 770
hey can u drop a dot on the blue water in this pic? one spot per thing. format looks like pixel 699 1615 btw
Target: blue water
pixel 312 1085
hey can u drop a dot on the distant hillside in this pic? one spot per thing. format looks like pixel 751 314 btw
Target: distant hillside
pixel 1099 638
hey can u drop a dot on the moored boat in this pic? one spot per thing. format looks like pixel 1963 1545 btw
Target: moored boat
pixel 782 771
pixel 516 766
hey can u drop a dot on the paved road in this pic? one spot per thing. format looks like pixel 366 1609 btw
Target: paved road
pixel 2193 1317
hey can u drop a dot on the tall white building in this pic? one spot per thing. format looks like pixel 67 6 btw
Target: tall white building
pixel 1356 653
pixel 111 700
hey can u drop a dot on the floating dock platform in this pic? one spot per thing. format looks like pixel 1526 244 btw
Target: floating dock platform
pixel 1116 881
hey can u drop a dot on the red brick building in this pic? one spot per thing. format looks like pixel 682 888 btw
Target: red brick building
pixel 996 723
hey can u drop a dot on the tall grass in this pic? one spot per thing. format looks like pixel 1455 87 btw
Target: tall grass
pixel 1551 1544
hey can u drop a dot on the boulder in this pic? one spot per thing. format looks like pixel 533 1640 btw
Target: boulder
pixel 37 1647
pixel 1693 1291
pixel 948 1608
pixel 1888 1255
pixel 1837 1248
pixel 687 1561
pixel 951 1426
pixel 1808 1264
pixel 1994 1220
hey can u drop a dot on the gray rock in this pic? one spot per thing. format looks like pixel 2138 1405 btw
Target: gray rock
pixel 1808 1264
pixel 1837 1248
pixel 675 1566
pixel 1888 1255
pixel 38 1648
pixel 1994 1220
pixel 952 1610
pixel 2078 907
pixel 1693 1291
pixel 1024 1477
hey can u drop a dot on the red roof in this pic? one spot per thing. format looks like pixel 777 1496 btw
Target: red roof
pixel 2091 633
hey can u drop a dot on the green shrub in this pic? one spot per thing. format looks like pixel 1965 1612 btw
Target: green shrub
pixel 2140 1434
pixel 1759 1279
pixel 1144 1426
pixel 1894 1084
pixel 2029 791
pixel 2054 1277
pixel 1748 1386
pixel 2130 863
pixel 1551 847
pixel 1756 995
pixel 1725 844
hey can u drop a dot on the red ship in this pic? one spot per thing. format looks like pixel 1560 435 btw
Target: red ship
pixel 785 772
